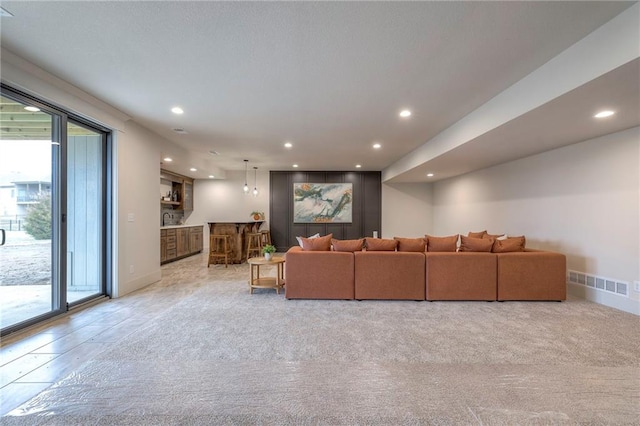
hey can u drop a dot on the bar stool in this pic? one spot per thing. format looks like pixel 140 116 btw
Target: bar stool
pixel 254 244
pixel 218 248
pixel 265 237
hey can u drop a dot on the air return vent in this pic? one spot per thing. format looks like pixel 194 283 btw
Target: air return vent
pixel 608 285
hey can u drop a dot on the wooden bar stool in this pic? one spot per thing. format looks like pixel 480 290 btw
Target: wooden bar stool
pixel 254 244
pixel 265 237
pixel 219 248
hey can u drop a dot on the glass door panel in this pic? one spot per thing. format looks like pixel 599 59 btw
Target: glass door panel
pixel 85 154
pixel 27 154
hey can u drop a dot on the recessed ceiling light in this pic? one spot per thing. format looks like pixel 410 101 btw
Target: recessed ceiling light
pixel 377 146
pixel 193 169
pixel 288 144
pixel 32 108
pixel 177 110
pixel 295 166
pixel 603 114
pixel 211 176
pixel 429 174
pixel 358 166
pixel 405 113
pixel 168 159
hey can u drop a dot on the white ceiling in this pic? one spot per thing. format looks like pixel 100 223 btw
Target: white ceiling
pixel 330 77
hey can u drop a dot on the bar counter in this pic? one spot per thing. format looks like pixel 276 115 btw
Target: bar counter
pixel 238 232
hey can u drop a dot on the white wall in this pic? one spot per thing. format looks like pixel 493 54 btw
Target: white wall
pixel 224 201
pixel 406 210
pixel 581 200
pixel 138 170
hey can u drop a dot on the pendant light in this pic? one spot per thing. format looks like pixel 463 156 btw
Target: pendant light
pixel 255 181
pixel 246 187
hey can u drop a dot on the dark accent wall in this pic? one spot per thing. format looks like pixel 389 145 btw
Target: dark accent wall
pixel 367 206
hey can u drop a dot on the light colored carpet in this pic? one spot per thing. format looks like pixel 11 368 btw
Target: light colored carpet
pixel 210 353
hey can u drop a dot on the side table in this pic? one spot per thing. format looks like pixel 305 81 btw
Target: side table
pixel 255 281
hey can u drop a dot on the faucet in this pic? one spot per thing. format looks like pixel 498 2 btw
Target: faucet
pixel 163 215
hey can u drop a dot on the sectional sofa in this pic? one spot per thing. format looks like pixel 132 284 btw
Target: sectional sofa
pixel 425 275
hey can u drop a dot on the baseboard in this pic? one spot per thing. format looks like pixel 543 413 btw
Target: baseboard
pixel 603 298
pixel 138 283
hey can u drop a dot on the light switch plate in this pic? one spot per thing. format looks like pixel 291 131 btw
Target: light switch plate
pixel 636 286
pixel 131 217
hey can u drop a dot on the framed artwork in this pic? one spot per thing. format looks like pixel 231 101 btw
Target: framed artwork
pixel 322 202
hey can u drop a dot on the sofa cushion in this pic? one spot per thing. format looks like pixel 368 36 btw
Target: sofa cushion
pixel 300 238
pixel 475 244
pixel 381 244
pixel 348 245
pixel 411 244
pixel 317 244
pixel 479 234
pixel 494 236
pixel 442 243
pixel 508 245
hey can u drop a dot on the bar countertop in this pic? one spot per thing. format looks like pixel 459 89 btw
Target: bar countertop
pixel 181 226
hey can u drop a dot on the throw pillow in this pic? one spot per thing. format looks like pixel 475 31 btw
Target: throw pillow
pixel 317 244
pixel 300 239
pixel 442 243
pixel 477 234
pixel 494 236
pixel 381 244
pixel 475 244
pixel 411 244
pixel 509 245
pixel 348 245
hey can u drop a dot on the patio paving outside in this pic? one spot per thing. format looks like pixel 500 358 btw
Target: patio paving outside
pixel 25 279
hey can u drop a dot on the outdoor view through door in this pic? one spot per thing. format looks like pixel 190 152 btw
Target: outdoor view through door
pixel 53 211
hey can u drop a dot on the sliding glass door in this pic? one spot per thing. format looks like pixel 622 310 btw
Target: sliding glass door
pixel 54 211
pixel 85 211
pixel 27 197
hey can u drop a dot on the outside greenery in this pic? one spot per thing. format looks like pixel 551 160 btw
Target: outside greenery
pixel 38 220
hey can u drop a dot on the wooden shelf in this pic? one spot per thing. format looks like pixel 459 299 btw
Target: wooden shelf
pixel 172 203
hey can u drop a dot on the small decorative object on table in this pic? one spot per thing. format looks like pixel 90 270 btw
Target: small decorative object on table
pixel 257 215
pixel 268 250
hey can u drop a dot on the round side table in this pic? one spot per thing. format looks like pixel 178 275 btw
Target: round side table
pixel 255 281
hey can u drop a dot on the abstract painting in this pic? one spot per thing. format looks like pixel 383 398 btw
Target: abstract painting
pixel 322 202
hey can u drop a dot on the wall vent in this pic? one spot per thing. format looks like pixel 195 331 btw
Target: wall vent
pixel 609 285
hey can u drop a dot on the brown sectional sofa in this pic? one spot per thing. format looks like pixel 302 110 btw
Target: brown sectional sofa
pixel 531 275
pixel 461 276
pixel 319 274
pixel 528 275
pixel 389 275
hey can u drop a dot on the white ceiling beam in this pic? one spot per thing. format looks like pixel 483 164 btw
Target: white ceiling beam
pixel 609 47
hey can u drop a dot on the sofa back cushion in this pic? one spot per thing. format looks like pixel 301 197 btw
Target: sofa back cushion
pixel 442 243
pixel 479 234
pixel 475 244
pixel 348 245
pixel 411 244
pixel 510 244
pixel 317 244
pixel 495 236
pixel 381 244
pixel 300 238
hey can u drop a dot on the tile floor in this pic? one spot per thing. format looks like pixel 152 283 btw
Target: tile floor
pixel 33 360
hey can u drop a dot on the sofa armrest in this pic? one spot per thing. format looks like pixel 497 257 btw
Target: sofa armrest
pixel 532 275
